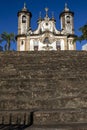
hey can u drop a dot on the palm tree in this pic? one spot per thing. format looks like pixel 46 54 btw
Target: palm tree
pixel 8 38
pixel 82 37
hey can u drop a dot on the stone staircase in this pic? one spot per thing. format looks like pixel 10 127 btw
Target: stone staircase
pixel 43 90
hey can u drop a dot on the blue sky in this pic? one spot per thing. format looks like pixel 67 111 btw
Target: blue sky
pixel 9 9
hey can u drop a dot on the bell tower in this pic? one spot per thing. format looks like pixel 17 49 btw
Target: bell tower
pixel 67 20
pixel 24 19
pixel 24 23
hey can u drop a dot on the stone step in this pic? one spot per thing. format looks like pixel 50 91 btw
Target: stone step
pixel 46 53
pixel 13 127
pixel 50 66
pixel 73 126
pixel 52 81
pixel 41 62
pixel 44 78
pixel 44 73
pixel 73 85
pixel 53 119
pixel 59 86
pixel 42 57
pixel 24 127
pixel 41 95
pixel 58 117
pixel 22 102
pixel 19 117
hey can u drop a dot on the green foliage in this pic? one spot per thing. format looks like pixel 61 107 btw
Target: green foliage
pixel 8 38
pixel 83 29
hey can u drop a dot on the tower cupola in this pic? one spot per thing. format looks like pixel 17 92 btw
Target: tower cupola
pixel 66 8
pixel 67 20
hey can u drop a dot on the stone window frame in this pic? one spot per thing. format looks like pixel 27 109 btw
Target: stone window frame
pixel 58 45
pixel 24 19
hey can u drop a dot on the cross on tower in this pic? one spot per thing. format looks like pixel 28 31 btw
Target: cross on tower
pixel 46 9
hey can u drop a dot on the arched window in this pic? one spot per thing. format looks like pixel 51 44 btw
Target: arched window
pixel 68 19
pixel 22 45
pixel 23 19
pixel 35 45
pixel 22 42
pixel 58 45
pixel 46 41
pixel 71 45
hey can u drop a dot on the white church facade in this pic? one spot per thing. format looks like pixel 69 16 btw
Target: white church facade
pixel 46 37
pixel 84 47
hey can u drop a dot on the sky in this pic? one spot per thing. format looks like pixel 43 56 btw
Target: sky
pixel 9 9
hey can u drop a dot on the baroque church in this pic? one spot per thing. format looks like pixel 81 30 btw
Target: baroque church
pixel 46 37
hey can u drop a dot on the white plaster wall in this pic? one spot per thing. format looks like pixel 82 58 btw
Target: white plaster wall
pixel 40 47
pixel 53 45
pixel 84 47
pixel 71 46
pixel 62 45
pixel 45 27
pixel 22 47
pixel 31 45
pixel 61 23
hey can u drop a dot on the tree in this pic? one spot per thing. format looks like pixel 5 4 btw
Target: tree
pixel 83 30
pixel 8 38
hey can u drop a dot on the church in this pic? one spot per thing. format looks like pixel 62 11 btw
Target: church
pixel 46 37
